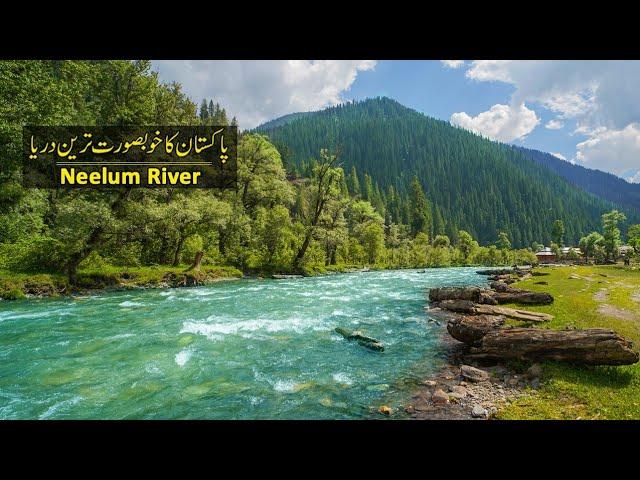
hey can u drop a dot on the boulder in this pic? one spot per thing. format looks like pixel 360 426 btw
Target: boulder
pixel 474 374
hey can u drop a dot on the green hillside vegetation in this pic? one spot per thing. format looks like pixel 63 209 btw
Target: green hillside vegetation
pixel 321 221
pixel 474 184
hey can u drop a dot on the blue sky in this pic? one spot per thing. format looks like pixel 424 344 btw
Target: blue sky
pixel 586 112
pixel 430 88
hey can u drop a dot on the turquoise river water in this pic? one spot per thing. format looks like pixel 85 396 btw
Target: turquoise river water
pixel 244 349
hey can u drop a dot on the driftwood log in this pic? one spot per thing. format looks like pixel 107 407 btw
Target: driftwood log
pixel 500 295
pixel 470 308
pixel 488 339
pixel 355 335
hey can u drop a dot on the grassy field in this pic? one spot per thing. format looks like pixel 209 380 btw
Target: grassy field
pixel 586 296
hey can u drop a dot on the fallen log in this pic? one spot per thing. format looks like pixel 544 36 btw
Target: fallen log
pixel 455 293
pixel 523 296
pixel 594 346
pixel 470 308
pixel 496 271
pixel 285 277
pixel 471 329
pixel 514 314
pixel 502 294
pixel 363 340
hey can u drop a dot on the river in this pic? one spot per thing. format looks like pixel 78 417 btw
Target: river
pixel 244 349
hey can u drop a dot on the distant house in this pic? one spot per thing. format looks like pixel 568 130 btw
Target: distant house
pixel 567 250
pixel 546 256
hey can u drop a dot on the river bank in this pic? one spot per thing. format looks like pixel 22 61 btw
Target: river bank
pixel 15 286
pixel 20 285
pixel 585 297
pixel 463 390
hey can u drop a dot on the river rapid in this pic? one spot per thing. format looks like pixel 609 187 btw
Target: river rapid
pixel 243 349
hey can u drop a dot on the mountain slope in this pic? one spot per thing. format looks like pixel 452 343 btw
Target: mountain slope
pixel 474 183
pixel 602 184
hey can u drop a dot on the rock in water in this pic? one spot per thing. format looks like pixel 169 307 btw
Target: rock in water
pixel 474 374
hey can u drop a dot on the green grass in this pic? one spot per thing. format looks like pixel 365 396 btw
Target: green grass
pixel 572 392
pixel 15 285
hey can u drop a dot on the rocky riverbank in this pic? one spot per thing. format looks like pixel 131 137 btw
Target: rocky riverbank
pixel 494 362
pixel 464 390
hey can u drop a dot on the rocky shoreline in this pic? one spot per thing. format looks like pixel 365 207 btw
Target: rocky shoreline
pixel 467 390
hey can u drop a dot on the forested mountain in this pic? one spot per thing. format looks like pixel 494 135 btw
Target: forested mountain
pixel 471 183
pixel 602 184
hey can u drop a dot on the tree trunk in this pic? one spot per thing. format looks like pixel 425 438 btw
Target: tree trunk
pixel 594 346
pixel 490 340
pixel 470 308
pixel 176 253
pixel 196 261
pixel 504 294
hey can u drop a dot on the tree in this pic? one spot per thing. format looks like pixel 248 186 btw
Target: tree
pixel 466 244
pixel 204 111
pixel 441 241
pixel 633 237
pixel 420 213
pixel 373 241
pixel 611 233
pixel 589 244
pixel 557 232
pixel 324 185
pixel 354 183
pixel 261 175
pixel 503 242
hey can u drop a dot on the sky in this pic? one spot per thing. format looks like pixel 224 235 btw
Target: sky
pixel 585 112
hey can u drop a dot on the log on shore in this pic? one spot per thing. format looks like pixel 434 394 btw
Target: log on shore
pixel 501 294
pixel 490 340
pixel 523 296
pixel 363 340
pixel 471 329
pixel 455 293
pixel 594 346
pixel 470 308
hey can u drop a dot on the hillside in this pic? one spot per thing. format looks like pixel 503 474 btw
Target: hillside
pixel 473 183
pixel 602 184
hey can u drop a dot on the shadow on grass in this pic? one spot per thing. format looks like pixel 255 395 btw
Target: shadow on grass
pixel 600 376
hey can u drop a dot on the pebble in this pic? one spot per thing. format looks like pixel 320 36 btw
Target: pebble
pixel 474 374
pixel 430 383
pixel 479 412
pixel 440 397
pixel 385 410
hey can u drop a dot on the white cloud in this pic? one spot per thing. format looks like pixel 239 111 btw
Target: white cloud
pixel 602 92
pixel 559 155
pixel 259 90
pixel 452 63
pixel 619 150
pixel 501 122
pixel 554 124
pixel 602 96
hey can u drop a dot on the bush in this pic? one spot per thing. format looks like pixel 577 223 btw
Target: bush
pixel 12 294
